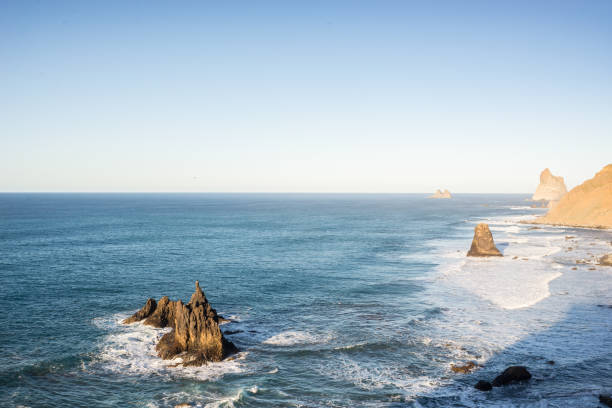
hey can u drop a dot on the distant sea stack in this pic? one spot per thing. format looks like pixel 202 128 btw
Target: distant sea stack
pixel 551 188
pixel 482 244
pixel 441 194
pixel 587 205
pixel 196 336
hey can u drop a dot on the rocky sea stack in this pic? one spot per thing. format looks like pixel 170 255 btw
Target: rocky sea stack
pixel 441 194
pixel 482 244
pixel 551 188
pixel 196 337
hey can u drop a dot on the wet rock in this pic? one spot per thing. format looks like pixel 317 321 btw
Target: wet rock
pixel 143 313
pixel 483 386
pixel 512 375
pixel 482 244
pixel 195 336
pixel 551 362
pixel 606 260
pixel 463 369
pixel 605 399
pixel 534 228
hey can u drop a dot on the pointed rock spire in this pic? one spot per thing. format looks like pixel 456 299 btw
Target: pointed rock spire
pixel 196 335
pixel 482 244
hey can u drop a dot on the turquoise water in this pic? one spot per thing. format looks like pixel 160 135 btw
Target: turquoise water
pixel 336 300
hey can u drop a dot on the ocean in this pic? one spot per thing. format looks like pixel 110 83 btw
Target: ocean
pixel 335 300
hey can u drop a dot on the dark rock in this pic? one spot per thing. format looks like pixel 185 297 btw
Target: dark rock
pixel 512 375
pixel 196 335
pixel 482 244
pixel 551 362
pixel 605 399
pixel 483 386
pixel 463 369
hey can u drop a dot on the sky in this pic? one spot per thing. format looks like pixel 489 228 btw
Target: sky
pixel 310 96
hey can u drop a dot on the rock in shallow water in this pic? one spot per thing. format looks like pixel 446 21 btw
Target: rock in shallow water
pixel 483 386
pixel 463 369
pixel 482 244
pixel 606 260
pixel 605 399
pixel 512 375
pixel 196 335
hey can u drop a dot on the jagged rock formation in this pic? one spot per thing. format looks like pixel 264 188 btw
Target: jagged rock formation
pixel 482 244
pixel 587 205
pixel 196 337
pixel 551 188
pixel 441 194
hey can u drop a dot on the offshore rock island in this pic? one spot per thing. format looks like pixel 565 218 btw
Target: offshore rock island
pixel 196 336
pixel 550 189
pixel 441 194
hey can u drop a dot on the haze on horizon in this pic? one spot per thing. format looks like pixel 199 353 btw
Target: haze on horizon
pixel 334 96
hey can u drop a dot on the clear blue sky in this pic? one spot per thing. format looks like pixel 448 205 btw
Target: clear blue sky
pixel 377 96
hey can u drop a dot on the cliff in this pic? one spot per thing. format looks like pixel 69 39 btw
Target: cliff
pixel 587 205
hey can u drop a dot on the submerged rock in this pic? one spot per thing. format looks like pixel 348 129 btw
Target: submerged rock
pixel 483 386
pixel 196 335
pixel 482 244
pixel 512 375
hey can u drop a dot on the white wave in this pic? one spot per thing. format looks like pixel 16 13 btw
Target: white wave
pixel 227 402
pixel 508 284
pixel 374 377
pixel 291 338
pixel 131 349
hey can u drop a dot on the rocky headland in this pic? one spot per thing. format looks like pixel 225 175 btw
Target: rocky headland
pixel 196 336
pixel 551 188
pixel 587 205
pixel 482 243
pixel 441 194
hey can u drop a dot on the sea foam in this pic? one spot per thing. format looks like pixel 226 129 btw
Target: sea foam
pixel 130 349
